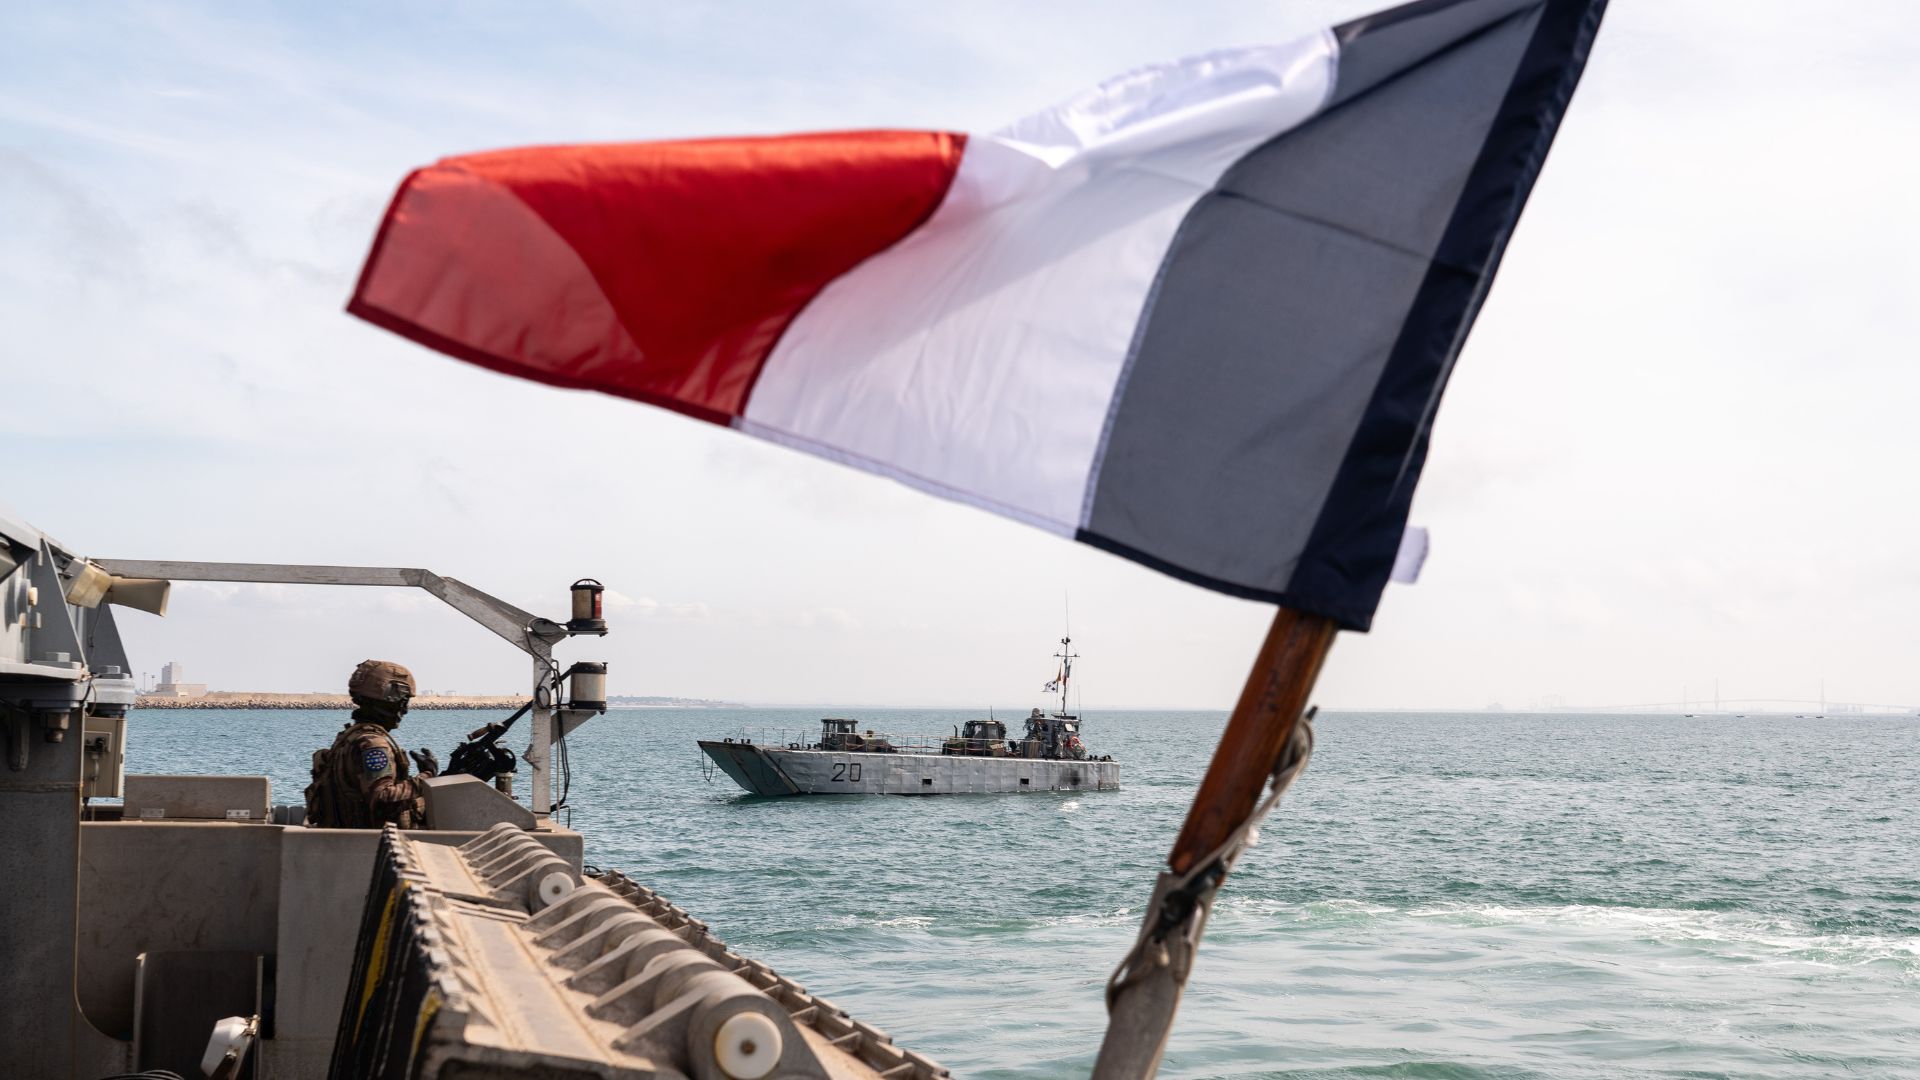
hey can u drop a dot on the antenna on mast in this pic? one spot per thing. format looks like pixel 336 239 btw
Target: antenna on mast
pixel 1066 658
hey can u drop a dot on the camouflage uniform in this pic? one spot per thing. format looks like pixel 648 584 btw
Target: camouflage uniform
pixel 367 783
pixel 362 781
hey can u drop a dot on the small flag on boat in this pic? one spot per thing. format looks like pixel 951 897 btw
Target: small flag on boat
pixel 1200 315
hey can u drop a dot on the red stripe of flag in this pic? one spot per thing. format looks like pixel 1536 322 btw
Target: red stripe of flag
pixel 662 271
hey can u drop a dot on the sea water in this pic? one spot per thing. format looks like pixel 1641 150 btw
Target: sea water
pixel 1441 895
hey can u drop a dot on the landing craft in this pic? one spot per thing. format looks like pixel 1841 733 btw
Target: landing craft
pixel 979 760
pixel 210 930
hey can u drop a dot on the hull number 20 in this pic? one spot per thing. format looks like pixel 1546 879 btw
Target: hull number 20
pixel 848 771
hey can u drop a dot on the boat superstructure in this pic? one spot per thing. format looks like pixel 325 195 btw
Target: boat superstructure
pixel 197 926
pixel 977 759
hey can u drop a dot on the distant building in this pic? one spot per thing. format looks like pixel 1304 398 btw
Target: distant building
pixel 172 684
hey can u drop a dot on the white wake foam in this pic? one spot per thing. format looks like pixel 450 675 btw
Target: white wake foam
pixel 1733 935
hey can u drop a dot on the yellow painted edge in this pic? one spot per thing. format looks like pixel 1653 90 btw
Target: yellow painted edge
pixel 427 1010
pixel 378 960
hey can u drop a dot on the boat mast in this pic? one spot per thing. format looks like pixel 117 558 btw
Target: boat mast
pixel 1066 656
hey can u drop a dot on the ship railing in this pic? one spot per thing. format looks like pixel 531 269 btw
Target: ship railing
pixel 808 739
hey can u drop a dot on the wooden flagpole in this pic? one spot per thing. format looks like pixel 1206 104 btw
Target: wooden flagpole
pixel 1141 1007
pixel 1270 704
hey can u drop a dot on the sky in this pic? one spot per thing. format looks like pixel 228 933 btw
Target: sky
pixel 1678 450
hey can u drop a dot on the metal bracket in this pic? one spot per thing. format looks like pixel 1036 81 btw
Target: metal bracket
pixel 529 633
pixel 523 630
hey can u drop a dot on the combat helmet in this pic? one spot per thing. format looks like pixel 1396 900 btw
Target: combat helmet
pixel 381 681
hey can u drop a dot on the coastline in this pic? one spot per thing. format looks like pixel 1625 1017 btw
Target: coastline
pixel 238 700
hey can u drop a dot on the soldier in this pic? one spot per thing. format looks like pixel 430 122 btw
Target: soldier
pixel 362 781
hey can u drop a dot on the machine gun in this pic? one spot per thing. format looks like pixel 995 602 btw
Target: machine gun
pixel 482 755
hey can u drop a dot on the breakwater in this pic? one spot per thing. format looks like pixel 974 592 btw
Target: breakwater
pixel 232 699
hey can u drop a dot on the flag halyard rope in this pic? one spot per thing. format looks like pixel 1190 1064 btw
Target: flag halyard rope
pixel 1170 934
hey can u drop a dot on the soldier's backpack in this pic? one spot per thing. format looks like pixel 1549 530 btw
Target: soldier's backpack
pixel 321 812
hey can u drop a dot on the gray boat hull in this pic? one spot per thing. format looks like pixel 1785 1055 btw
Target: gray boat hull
pixel 766 770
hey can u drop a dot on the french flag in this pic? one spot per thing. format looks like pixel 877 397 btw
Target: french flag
pixel 1200 315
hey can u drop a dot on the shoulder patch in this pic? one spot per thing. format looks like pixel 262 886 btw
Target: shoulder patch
pixel 374 761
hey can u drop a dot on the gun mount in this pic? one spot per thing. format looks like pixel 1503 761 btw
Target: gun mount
pixel 482 755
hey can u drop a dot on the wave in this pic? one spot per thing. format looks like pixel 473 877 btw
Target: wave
pixel 1736 936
